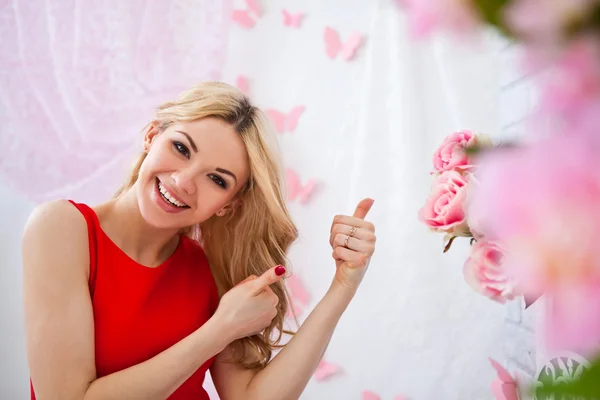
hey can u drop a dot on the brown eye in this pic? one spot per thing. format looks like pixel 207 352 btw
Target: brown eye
pixel 181 148
pixel 219 181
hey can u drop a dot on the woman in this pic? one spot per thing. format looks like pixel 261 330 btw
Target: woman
pixel 182 270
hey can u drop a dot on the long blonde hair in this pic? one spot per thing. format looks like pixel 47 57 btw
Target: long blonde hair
pixel 256 235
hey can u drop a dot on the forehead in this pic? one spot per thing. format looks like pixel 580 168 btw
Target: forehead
pixel 217 143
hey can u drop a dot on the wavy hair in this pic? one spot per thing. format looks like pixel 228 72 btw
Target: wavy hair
pixel 255 235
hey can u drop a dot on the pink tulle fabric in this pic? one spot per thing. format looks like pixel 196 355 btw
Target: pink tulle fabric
pixel 80 80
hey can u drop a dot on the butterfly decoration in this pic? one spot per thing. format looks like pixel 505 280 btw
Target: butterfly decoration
pixel 292 20
pixel 285 122
pixel 242 83
pixel 335 47
pixel 296 190
pixel 246 17
pixel 504 386
pixel 369 395
pixel 325 370
pixel 298 294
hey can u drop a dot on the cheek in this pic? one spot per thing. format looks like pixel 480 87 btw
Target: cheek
pixel 158 160
pixel 210 197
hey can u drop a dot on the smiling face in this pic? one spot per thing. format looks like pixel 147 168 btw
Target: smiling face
pixel 192 171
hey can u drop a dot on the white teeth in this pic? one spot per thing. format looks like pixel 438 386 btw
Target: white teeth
pixel 167 196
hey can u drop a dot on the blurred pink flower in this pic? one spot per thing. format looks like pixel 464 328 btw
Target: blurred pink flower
pixel 545 22
pixel 443 210
pixel 484 271
pixel 543 202
pixel 572 318
pixel 426 16
pixel 451 153
pixel 571 84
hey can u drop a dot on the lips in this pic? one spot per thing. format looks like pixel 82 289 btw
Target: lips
pixel 169 197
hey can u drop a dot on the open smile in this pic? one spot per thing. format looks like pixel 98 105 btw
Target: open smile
pixel 168 196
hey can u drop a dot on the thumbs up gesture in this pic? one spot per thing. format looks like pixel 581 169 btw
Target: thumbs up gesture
pixel 353 242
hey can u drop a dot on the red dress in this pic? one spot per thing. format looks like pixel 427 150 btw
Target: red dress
pixel 139 311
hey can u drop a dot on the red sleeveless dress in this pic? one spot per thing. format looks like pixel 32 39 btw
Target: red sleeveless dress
pixel 139 311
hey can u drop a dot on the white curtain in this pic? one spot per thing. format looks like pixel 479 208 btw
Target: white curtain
pixel 369 130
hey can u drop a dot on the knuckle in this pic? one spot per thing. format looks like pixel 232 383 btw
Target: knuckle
pixel 339 239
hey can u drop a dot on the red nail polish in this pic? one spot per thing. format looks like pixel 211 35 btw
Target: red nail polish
pixel 279 270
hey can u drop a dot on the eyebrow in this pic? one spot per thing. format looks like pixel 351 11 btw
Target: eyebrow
pixel 226 172
pixel 190 140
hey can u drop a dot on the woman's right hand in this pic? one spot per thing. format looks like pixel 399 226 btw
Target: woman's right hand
pixel 250 306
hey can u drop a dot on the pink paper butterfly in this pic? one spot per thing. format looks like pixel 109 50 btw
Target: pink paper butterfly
pixel 504 386
pixel 292 20
pixel 334 45
pixel 285 122
pixel 242 83
pixel 244 17
pixel 297 290
pixel 297 310
pixel 296 189
pixel 325 370
pixel 298 294
pixel 368 395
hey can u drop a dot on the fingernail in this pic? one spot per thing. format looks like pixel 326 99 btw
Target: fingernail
pixel 279 270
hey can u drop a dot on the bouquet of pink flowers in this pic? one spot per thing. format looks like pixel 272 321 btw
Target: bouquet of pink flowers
pixel 445 212
pixel 541 201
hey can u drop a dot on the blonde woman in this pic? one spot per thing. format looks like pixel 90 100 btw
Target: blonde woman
pixel 182 270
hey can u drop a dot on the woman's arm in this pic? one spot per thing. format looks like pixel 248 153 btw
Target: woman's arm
pixel 286 376
pixel 60 326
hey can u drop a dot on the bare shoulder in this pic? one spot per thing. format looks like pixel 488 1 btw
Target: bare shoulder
pixel 55 214
pixel 55 229
pixel 59 324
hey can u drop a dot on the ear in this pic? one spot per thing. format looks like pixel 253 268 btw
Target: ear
pixel 235 204
pixel 151 133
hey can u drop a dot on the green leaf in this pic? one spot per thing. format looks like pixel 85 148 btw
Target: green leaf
pixel 492 11
pixel 587 387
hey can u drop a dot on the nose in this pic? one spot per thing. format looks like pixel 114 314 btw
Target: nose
pixel 184 180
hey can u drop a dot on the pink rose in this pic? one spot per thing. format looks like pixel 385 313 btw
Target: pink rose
pixel 452 155
pixel 484 271
pixel 443 211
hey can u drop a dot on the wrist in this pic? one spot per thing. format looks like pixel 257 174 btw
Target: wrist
pixel 342 291
pixel 220 331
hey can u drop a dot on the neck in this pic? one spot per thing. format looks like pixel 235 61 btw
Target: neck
pixel 123 222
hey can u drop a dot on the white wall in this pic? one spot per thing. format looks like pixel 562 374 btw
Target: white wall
pixel 14 210
pixel 369 129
